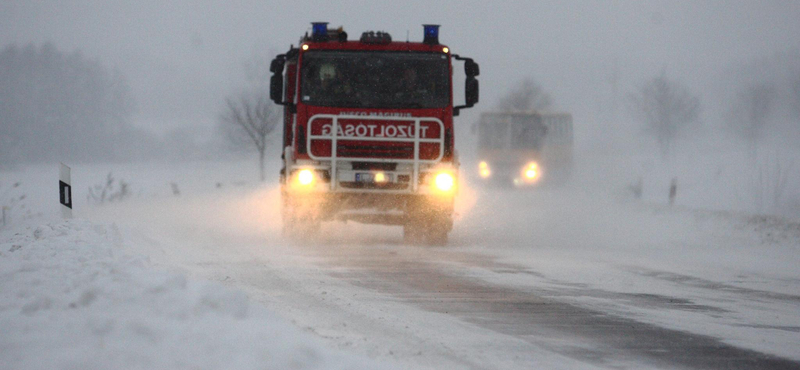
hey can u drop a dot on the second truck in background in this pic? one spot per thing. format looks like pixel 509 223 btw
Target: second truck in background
pixel 525 148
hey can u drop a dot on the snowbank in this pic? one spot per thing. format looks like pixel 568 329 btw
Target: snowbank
pixel 70 299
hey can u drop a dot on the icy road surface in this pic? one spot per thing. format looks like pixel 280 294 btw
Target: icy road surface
pixel 532 279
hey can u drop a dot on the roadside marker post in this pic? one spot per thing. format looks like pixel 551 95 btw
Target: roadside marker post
pixel 65 191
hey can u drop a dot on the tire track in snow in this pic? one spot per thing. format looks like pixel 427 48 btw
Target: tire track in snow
pixel 430 280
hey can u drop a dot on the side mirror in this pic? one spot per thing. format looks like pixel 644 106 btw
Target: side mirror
pixel 471 69
pixel 471 90
pixel 277 64
pixel 276 88
pixel 276 82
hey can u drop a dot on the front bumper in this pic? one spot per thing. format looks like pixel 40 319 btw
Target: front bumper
pixel 376 208
pixel 382 195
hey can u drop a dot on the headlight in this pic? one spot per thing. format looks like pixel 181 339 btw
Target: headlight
pixel 531 171
pixel 483 170
pixel 305 177
pixel 445 181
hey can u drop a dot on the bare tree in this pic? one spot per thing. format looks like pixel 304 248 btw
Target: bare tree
pixel 526 95
pixel 252 117
pixel 665 108
pixel 750 113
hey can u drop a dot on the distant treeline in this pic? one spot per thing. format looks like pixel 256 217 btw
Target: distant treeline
pixel 57 106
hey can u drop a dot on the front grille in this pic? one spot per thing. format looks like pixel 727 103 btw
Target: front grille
pixel 370 185
pixel 374 166
pixel 376 151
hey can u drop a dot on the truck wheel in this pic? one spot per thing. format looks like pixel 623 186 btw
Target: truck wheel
pixel 425 232
pixel 300 223
pixel 412 232
pixel 436 230
pixel 436 236
pixel 427 222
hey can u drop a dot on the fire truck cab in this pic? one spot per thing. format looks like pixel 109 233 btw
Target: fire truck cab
pixel 368 131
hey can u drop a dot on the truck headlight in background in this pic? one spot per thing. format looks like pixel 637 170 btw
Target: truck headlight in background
pixel 531 171
pixel 483 170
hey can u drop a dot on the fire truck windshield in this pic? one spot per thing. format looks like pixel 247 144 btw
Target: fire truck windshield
pixel 360 79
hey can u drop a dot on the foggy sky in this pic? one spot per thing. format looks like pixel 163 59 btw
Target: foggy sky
pixel 182 58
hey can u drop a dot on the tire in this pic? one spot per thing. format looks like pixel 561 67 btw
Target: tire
pixel 298 227
pixel 436 237
pixel 431 230
pixel 412 233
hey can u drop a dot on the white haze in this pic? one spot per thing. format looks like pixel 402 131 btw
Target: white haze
pixel 182 58
pixel 72 296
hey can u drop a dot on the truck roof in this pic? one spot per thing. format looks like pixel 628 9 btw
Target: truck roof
pixel 324 38
pixel 358 45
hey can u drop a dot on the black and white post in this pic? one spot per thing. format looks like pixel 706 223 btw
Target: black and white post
pixel 65 191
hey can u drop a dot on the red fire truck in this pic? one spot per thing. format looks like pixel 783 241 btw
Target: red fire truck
pixel 368 131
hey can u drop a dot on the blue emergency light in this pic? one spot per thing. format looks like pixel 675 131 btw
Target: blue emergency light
pixel 431 32
pixel 319 31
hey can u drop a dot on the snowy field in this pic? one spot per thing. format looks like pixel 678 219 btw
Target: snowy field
pixel 200 278
pixel 73 299
pixel 76 295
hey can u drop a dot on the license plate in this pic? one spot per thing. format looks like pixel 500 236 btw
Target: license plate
pixel 370 177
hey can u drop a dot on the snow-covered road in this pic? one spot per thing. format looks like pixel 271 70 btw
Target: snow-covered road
pixel 555 278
